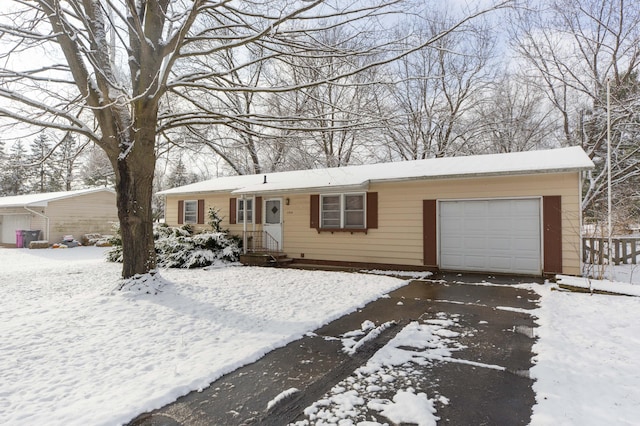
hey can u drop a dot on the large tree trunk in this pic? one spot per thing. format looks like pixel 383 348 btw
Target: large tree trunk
pixel 134 187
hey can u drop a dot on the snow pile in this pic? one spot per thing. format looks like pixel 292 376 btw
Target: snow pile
pixel 407 407
pixel 281 396
pixel 350 345
pixel 600 285
pixel 151 283
pixel 417 275
pixel 74 352
pixel 362 394
pixel 587 366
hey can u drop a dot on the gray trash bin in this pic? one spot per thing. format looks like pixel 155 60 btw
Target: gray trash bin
pixel 30 236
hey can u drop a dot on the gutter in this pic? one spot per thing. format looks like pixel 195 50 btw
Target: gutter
pixel 41 215
pixel 364 185
pixel 481 174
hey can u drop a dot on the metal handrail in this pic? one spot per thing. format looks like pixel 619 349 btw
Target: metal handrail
pixel 261 242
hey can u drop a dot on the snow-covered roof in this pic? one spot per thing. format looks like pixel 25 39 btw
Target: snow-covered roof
pixel 41 200
pixel 352 177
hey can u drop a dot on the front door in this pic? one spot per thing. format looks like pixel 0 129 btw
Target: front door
pixel 273 224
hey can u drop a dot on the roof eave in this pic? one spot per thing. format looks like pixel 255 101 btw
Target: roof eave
pixel 365 185
pixel 324 189
pixel 485 174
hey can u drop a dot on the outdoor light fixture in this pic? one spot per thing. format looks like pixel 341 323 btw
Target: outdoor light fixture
pixel 286 201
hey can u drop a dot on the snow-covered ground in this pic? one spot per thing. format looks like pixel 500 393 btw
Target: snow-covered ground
pixel 587 367
pixel 75 352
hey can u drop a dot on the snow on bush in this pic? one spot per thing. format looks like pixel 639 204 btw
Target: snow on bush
pixel 182 248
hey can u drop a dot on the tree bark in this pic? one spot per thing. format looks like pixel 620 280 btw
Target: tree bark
pixel 134 187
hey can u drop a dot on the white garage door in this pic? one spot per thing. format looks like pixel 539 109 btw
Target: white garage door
pixel 491 235
pixel 12 222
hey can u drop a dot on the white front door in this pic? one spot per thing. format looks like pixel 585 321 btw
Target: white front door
pixel 273 223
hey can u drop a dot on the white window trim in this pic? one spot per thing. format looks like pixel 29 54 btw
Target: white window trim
pixel 240 213
pixel 184 213
pixel 343 210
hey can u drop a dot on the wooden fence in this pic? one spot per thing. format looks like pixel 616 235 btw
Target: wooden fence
pixel 623 250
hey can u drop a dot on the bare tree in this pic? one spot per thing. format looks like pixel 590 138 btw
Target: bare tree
pixel 330 124
pixel 436 88
pixel 113 63
pixel 512 116
pixel 572 48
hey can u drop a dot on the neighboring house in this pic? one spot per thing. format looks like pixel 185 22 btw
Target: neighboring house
pixel 504 213
pixel 56 214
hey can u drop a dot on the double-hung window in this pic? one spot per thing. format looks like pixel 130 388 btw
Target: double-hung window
pixel 342 211
pixel 240 210
pixel 191 211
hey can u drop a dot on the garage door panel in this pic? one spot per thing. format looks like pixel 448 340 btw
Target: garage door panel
pixel 496 226
pixel 453 259
pixel 11 223
pixel 474 243
pixel 500 262
pixel 478 209
pixel 453 244
pixel 491 235
pixel 452 225
pixel 474 261
pixel 451 209
pixel 495 244
pixel 525 207
pixel 527 245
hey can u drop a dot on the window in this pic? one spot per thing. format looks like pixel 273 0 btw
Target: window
pixel 342 211
pixel 240 210
pixel 354 211
pixel 330 211
pixel 191 211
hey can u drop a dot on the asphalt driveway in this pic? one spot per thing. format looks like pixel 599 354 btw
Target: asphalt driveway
pixel 485 383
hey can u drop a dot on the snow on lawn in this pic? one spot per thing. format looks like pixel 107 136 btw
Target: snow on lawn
pixel 75 352
pixel 587 366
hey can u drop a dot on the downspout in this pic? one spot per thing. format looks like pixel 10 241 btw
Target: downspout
pixel 244 224
pixel 46 218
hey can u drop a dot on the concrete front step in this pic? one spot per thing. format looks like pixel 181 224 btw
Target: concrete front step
pixel 265 259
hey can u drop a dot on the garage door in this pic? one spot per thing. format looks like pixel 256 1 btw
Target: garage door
pixel 491 235
pixel 10 223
